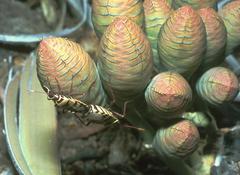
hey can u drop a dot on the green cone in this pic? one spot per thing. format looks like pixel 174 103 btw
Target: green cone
pixel 182 41
pixel 124 59
pixel 217 85
pixel 196 4
pixel 178 140
pixel 168 95
pixel 156 13
pixel 104 12
pixel 230 14
pixel 216 37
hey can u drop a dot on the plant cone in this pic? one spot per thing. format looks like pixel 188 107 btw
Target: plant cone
pixel 66 69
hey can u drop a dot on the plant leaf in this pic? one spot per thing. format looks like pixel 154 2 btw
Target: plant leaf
pixel 11 130
pixel 37 124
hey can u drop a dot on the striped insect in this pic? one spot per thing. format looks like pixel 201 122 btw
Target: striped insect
pixel 99 114
pixel 67 103
pixel 89 113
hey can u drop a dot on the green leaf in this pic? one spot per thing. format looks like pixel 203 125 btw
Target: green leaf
pixel 10 124
pixel 37 124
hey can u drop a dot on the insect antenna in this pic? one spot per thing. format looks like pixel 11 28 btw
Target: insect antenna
pixel 34 91
pixel 49 83
pixel 58 85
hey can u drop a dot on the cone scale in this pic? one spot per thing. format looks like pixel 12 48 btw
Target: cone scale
pixel 104 12
pixel 124 59
pixel 230 14
pixel 156 13
pixel 182 41
pixel 216 37
pixel 217 86
pixel 178 140
pixel 168 95
pixel 195 4
pixel 65 68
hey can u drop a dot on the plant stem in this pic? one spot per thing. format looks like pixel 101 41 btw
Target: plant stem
pixel 136 120
pixel 195 160
pixel 178 166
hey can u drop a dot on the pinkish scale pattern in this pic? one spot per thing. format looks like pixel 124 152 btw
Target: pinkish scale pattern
pixel 216 37
pixel 230 14
pixel 105 11
pixel 168 94
pixel 217 85
pixel 178 140
pixel 195 4
pixel 124 59
pixel 182 41
pixel 156 13
pixel 65 68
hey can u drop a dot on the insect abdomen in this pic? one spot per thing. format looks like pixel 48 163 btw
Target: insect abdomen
pixel 71 105
pixel 99 114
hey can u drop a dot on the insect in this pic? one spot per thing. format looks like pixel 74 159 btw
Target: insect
pixel 89 113
pixel 67 103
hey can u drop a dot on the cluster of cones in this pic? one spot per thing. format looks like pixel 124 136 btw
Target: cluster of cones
pixel 162 53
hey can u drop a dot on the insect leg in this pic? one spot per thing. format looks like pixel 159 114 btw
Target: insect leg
pixel 133 127
pixel 124 110
pixel 125 106
pixel 49 83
